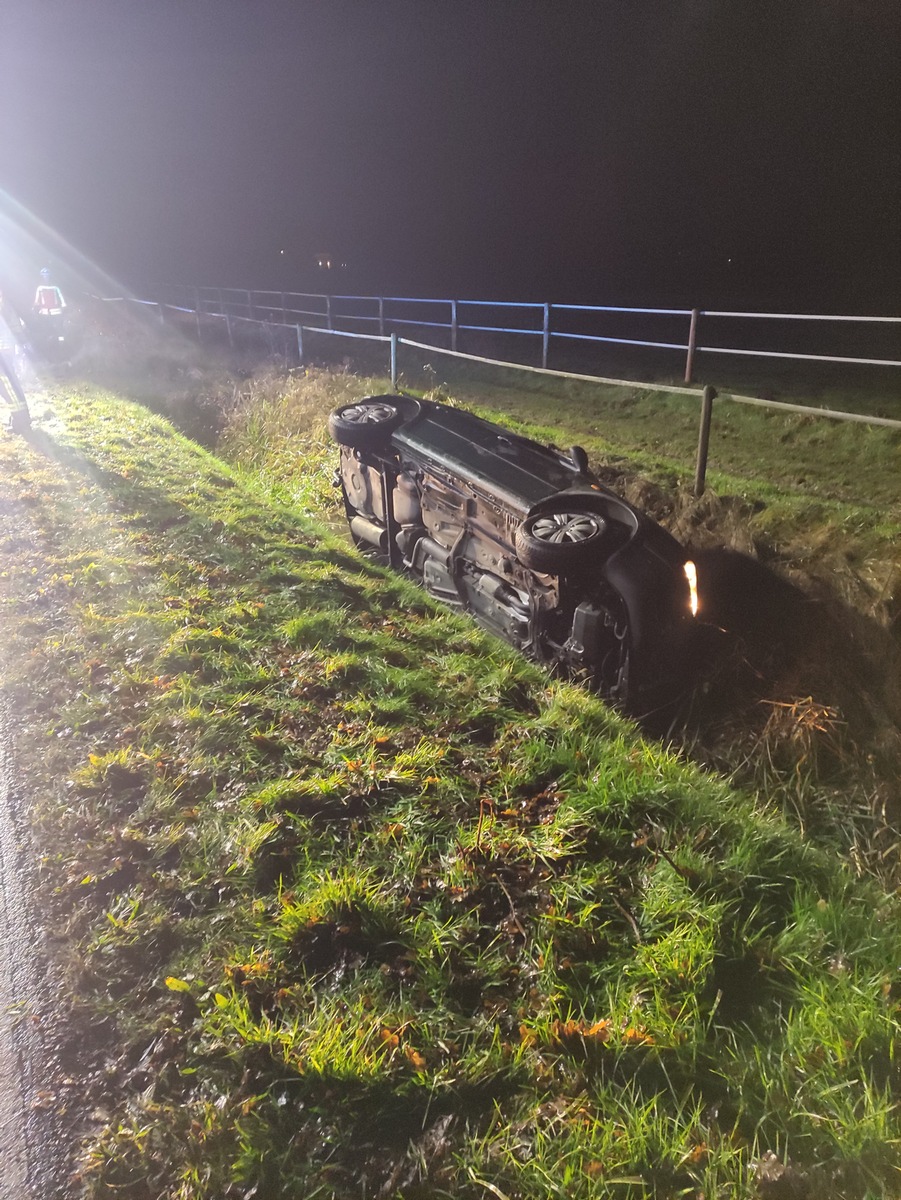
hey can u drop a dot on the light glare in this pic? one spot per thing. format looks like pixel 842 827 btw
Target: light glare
pixel 691 574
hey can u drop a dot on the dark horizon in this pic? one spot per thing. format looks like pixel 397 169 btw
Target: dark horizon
pixel 690 153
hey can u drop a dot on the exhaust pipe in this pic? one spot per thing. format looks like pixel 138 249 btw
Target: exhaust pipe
pixel 368 531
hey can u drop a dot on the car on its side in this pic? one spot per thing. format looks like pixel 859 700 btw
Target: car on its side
pixel 526 539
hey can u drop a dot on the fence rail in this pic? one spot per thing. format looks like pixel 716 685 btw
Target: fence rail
pixel 549 324
pixel 298 330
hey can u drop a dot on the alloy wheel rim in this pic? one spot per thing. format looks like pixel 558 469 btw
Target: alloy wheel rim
pixel 367 414
pixel 566 528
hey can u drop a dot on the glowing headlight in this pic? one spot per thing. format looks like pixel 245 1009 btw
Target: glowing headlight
pixel 691 574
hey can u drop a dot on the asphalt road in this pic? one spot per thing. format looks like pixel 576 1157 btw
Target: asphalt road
pixel 32 1086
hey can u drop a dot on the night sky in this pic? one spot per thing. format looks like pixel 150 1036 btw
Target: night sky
pixel 691 152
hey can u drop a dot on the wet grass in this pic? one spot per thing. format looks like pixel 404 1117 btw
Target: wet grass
pixel 361 905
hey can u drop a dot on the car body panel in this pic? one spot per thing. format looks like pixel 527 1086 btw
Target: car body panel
pixel 493 458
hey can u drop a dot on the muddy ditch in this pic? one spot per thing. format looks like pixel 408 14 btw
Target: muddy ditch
pixel 804 686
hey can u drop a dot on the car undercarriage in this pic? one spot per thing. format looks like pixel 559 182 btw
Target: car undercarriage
pixel 525 539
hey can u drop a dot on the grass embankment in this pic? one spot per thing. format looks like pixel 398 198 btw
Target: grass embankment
pixel 806 703
pixel 358 904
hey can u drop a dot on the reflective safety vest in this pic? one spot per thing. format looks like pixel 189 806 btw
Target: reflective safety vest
pixel 48 300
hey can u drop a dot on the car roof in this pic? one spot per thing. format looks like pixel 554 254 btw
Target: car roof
pixel 515 468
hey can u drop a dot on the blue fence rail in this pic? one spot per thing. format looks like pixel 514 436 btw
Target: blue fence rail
pixel 763 335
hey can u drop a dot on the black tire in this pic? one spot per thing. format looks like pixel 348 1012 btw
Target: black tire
pixel 559 539
pixel 366 424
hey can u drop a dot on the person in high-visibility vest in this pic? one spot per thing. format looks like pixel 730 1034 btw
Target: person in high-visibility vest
pixel 48 299
pixel 13 334
pixel 11 325
pixel 50 320
pixel 12 394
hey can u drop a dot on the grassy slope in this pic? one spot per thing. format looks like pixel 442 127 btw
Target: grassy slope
pixel 375 910
pixel 807 704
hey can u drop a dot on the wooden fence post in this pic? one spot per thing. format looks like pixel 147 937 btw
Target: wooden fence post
pixel 692 342
pixel 328 313
pixel 381 316
pixel 394 361
pixel 453 305
pixel 704 439
pixel 545 335
pixel 299 345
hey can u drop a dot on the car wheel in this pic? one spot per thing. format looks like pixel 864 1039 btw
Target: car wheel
pixel 363 425
pixel 553 541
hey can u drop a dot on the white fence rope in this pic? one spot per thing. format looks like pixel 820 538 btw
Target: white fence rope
pixel 831 358
pixel 497 362
pixel 369 337
pixel 709 312
pixel 808 410
pixel 831 413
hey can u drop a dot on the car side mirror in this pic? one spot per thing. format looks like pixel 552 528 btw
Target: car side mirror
pixel 579 458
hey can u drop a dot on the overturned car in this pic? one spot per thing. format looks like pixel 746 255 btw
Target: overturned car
pixel 526 539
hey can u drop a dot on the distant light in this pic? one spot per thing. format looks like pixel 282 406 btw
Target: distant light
pixel 281 252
